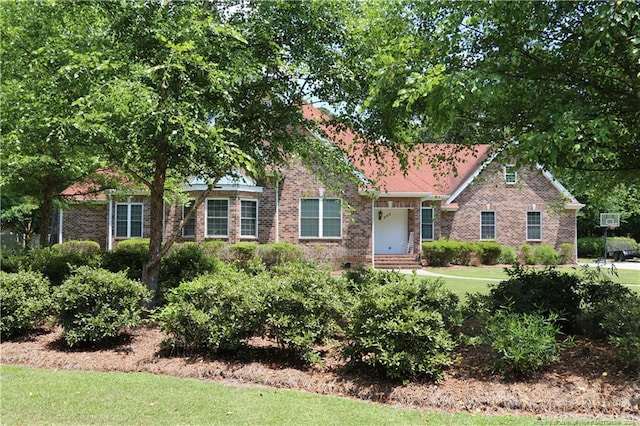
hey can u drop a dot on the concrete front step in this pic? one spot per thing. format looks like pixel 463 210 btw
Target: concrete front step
pixel 408 261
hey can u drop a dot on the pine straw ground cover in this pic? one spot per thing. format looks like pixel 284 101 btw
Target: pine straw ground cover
pixel 585 384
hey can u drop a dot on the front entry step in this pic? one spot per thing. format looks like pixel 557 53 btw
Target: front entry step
pixel 397 261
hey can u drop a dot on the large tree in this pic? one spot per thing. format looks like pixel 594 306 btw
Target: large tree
pixel 555 83
pixel 205 89
pixel 42 152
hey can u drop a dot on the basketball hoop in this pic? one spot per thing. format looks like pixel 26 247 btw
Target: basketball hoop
pixel 608 221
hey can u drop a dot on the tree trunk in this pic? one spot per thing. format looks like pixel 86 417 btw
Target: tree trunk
pixel 45 215
pixel 151 270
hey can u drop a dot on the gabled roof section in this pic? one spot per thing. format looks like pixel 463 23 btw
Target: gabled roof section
pixel 95 188
pixel 572 203
pixel 433 170
pixel 238 181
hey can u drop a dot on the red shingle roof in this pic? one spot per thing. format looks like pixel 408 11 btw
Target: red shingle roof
pixel 434 169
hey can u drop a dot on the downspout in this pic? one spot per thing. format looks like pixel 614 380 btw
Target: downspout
pixel 110 224
pixel 277 211
pixel 60 227
pixel 373 233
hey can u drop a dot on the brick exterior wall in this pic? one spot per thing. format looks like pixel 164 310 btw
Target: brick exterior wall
pixel 489 192
pixel 532 192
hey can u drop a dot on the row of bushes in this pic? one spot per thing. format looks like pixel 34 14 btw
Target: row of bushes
pixel 398 326
pixel 445 252
pixel 184 262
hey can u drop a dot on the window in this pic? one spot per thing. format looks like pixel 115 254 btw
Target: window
pixel 427 223
pixel 189 229
pixel 129 220
pixel 510 174
pixel 534 226
pixel 248 218
pixel 321 217
pixel 487 225
pixel 217 218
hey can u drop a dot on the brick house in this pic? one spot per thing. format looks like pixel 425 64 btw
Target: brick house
pixel 475 197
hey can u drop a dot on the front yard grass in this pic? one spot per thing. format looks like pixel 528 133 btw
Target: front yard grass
pixel 482 276
pixel 34 396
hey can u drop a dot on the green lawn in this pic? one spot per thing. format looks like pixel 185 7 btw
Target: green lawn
pixel 484 275
pixel 35 397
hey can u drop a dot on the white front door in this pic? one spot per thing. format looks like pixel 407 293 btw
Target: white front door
pixel 391 229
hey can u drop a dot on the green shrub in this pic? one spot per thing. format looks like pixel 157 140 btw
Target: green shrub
pixel 622 325
pixel 275 254
pixel 95 304
pixel 84 246
pixel 545 255
pixel 522 343
pixel 128 255
pixel 566 254
pixel 463 252
pixel 57 265
pixel 526 254
pixel 13 261
pixel 438 253
pixel 507 256
pixel 545 291
pixel 183 263
pixel 600 296
pixel 489 252
pixel 25 301
pixel 213 312
pixel 592 247
pixel 304 306
pixel 243 253
pixel 403 329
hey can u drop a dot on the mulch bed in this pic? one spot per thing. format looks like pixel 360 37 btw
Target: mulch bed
pixel 587 383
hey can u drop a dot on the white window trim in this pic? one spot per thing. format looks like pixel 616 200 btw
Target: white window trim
pixel 495 225
pixel 433 226
pixel 515 174
pixel 195 221
pixel 527 225
pixel 129 204
pixel 253 200
pixel 206 217
pixel 320 219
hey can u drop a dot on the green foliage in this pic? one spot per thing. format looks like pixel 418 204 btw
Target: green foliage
pixel 522 343
pixel 507 256
pixel 623 327
pixel 548 292
pixel 527 254
pixel 213 312
pixel 74 246
pixel 57 265
pixel 242 253
pixel 403 328
pixel 592 247
pixel 128 255
pixel 304 306
pixel 566 253
pixel 13 261
pixel 545 255
pixel 183 263
pixel 276 254
pixel 25 301
pixel 489 252
pixel 95 305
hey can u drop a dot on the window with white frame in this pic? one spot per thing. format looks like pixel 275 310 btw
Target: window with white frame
pixel 248 218
pixel 426 219
pixel 510 174
pixel 189 228
pixel 534 226
pixel 217 223
pixel 487 225
pixel 320 218
pixel 129 220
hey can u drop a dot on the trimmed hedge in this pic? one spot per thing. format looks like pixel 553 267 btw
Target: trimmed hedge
pixel 402 329
pixel 95 305
pixel 25 302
